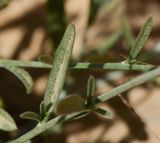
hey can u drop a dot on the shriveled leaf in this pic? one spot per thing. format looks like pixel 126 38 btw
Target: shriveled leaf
pixel 59 68
pixel 23 75
pixel 104 112
pixel 70 104
pixel 46 59
pixel 6 121
pixel 31 116
pixel 90 90
pixel 141 39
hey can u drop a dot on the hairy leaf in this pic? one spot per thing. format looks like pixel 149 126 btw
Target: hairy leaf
pixel 6 121
pixel 141 39
pixel 31 116
pixel 59 68
pixel 25 78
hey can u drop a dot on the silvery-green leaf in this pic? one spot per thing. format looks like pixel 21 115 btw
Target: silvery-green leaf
pixel 141 39
pixel 104 112
pixel 70 104
pixel 23 75
pixel 31 116
pixel 59 68
pixel 6 121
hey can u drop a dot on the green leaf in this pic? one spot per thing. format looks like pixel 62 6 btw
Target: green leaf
pixel 90 90
pixel 44 110
pixel 46 59
pixel 70 104
pixel 59 68
pixel 4 3
pixel 24 77
pixel 141 39
pixel 104 112
pixel 31 116
pixel 6 121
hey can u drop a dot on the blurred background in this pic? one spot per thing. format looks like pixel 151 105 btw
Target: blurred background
pixel 105 30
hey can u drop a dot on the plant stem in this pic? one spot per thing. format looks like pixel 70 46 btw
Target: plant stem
pixel 128 85
pixel 87 66
pixel 104 97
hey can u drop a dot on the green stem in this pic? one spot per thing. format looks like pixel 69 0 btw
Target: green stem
pixel 104 97
pixel 40 128
pixel 128 85
pixel 87 66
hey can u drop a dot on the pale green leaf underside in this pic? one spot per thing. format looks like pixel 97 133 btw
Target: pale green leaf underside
pixel 6 121
pixel 24 77
pixel 30 115
pixel 59 68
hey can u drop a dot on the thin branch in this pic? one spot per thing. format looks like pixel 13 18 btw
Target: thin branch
pixel 104 97
pixel 84 66
pixel 128 85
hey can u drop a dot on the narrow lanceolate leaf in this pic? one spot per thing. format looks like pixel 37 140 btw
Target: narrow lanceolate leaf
pixel 6 121
pixel 70 104
pixel 59 68
pixel 24 77
pixel 31 116
pixel 141 39
pixel 104 112
pixel 90 90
